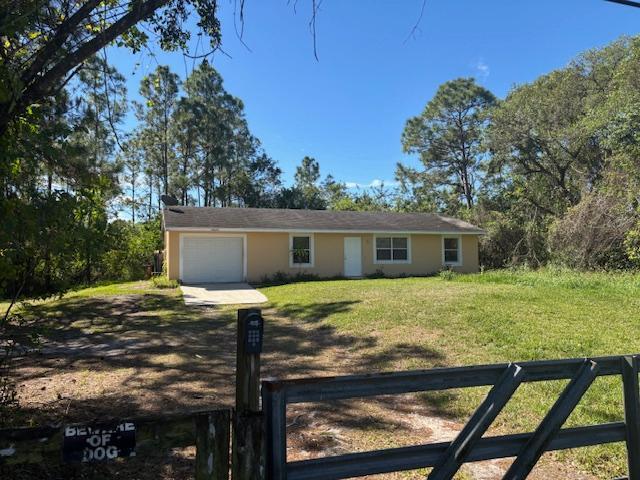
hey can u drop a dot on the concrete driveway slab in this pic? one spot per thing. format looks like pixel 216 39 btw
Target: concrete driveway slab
pixel 221 294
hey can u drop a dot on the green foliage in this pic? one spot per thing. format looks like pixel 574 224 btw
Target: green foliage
pixel 306 193
pixel 592 234
pixel 131 249
pixel 43 42
pixel 160 92
pixel 632 244
pixel 554 276
pixel 536 135
pixel 564 174
pixel 517 236
pixel 448 137
pixel 447 275
pixel 222 160
pixel 34 244
pixel 161 281
pixel 283 278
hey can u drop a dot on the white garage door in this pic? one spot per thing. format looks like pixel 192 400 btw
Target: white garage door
pixel 212 259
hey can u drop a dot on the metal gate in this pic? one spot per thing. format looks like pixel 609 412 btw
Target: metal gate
pixel 446 458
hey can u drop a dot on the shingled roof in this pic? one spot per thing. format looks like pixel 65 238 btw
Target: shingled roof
pixel 270 219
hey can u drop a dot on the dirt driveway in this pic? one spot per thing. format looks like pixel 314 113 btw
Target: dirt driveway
pixel 149 353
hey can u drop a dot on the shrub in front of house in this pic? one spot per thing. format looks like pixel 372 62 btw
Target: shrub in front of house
pixel 161 281
pixel 448 275
pixel 283 278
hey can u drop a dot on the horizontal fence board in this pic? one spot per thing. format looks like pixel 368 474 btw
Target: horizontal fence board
pixel 153 434
pixel 422 456
pixel 350 386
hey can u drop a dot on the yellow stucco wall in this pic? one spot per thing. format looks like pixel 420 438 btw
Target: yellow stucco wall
pixel 470 262
pixel 172 254
pixel 268 253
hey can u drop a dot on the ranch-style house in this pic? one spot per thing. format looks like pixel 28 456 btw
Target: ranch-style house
pixel 210 244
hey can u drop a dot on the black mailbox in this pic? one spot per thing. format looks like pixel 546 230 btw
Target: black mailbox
pixel 253 333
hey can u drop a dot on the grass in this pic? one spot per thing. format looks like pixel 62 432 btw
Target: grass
pixel 161 281
pixel 184 356
pixel 139 287
pixel 493 317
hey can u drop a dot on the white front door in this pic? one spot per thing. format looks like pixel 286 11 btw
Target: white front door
pixel 352 257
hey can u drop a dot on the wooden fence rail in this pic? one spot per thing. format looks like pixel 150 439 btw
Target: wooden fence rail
pixel 470 445
pixel 209 431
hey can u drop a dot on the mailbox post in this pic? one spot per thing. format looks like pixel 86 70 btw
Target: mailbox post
pixel 248 460
pixel 249 347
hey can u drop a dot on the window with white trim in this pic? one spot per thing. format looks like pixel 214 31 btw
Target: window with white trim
pixel 301 253
pixel 392 249
pixel 451 250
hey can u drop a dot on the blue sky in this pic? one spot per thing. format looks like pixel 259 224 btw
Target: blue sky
pixel 348 108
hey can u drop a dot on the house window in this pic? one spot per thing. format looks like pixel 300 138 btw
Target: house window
pixel 451 251
pixel 301 250
pixel 392 249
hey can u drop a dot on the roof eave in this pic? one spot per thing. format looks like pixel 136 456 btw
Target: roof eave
pixel 320 230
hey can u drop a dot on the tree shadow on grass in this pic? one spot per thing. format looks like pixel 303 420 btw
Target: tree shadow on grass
pixel 315 312
pixel 389 356
pixel 118 357
pixel 150 353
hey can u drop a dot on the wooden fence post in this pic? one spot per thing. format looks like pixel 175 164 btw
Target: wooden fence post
pixel 632 414
pixel 248 458
pixel 248 360
pixel 212 445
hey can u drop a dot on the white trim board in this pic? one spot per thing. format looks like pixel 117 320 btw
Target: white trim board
pixel 294 230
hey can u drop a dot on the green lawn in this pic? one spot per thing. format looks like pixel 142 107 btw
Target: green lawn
pixel 493 317
pixel 178 357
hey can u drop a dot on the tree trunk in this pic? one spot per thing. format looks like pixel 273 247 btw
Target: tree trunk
pixel 150 196
pixel 133 201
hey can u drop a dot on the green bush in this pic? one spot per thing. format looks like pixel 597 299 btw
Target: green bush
pixel 377 274
pixel 594 234
pixel 283 278
pixel 131 249
pixel 511 239
pixel 555 276
pixel 161 281
pixel 448 275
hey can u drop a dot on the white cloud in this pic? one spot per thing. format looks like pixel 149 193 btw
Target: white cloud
pixel 375 183
pixel 482 69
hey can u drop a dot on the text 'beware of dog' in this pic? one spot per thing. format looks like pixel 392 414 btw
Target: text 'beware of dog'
pixel 98 443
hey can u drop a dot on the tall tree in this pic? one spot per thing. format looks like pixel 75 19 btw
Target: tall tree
pixel 101 104
pixel 185 132
pixel 160 91
pixel 132 159
pixel 307 189
pixel 540 144
pixel 448 136
pixel 416 192
pixel 44 42
pixel 227 154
